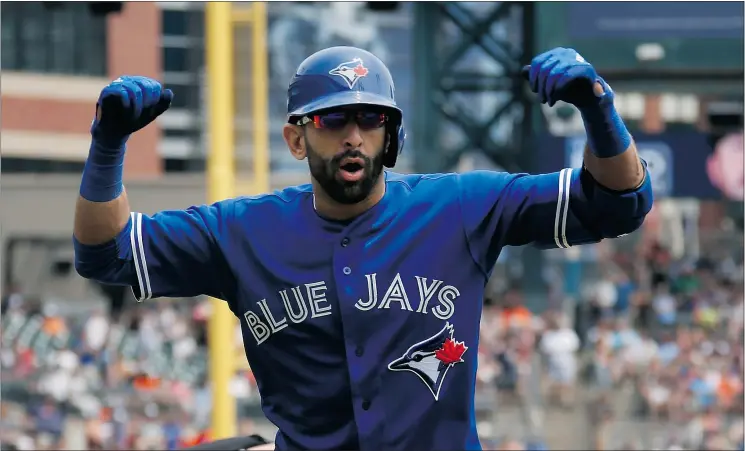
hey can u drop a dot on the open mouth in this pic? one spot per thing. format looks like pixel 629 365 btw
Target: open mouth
pixel 352 169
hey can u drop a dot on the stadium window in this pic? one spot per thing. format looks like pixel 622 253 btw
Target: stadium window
pixel 67 39
pixel 181 133
pixel 378 6
pixel 13 165
pixel 185 96
pixel 184 165
pixel 104 8
pixel 182 49
pixel 182 22
pixel 176 59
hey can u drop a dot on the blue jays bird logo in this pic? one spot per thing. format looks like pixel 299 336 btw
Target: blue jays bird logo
pixel 351 71
pixel 432 358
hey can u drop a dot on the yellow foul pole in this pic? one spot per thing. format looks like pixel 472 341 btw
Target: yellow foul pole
pixel 220 185
pixel 256 18
pixel 260 107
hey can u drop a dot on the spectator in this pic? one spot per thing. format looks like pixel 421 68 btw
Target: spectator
pixel 664 305
pixel 48 419
pixel 559 344
pixel 96 331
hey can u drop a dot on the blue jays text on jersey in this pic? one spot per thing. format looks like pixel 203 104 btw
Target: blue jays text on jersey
pixel 360 332
pixel 296 307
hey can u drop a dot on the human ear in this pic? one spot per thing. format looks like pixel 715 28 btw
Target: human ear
pixel 294 137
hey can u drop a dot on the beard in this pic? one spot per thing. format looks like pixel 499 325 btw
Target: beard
pixel 325 172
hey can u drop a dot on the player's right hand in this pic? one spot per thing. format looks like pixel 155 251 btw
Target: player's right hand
pixel 126 105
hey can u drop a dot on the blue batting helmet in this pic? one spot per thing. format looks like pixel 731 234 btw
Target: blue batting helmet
pixel 343 76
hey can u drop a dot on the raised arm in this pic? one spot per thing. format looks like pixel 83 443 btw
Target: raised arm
pixel 610 155
pixel 608 197
pixel 172 253
pixel 124 106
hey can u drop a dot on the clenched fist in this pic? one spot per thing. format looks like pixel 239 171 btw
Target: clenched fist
pixel 126 105
pixel 563 74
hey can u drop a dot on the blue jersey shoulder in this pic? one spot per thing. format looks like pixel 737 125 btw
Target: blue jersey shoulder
pixel 272 202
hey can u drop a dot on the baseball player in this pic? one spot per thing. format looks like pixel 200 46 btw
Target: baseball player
pixel 360 293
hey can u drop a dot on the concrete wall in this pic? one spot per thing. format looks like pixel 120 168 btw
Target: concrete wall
pixel 44 204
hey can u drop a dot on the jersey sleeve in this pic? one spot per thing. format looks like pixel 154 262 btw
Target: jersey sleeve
pixel 174 253
pixel 555 210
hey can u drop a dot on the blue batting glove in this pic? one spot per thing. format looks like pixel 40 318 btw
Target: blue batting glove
pixel 562 74
pixel 126 105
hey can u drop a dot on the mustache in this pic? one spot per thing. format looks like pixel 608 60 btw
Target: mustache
pixel 353 153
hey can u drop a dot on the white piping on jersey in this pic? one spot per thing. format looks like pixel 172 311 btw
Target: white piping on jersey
pixel 314 198
pixel 138 255
pixel 562 209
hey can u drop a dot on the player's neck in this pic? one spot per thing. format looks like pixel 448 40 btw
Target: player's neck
pixel 329 208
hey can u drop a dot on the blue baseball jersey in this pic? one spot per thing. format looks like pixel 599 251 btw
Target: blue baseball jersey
pixel 363 334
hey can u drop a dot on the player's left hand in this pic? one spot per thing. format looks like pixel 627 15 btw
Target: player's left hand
pixel 562 74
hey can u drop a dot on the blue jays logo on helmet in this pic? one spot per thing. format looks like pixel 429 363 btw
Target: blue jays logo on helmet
pixel 432 358
pixel 351 71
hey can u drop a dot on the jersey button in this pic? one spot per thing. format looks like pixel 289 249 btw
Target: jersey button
pixel 344 242
pixel 347 270
pixel 366 405
pixel 359 351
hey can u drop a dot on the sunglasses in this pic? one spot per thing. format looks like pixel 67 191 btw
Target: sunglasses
pixel 336 120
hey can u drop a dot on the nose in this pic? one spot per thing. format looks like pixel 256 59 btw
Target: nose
pixel 352 136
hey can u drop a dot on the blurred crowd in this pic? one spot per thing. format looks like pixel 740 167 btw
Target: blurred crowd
pixel 652 341
pixel 663 335
pixel 135 380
